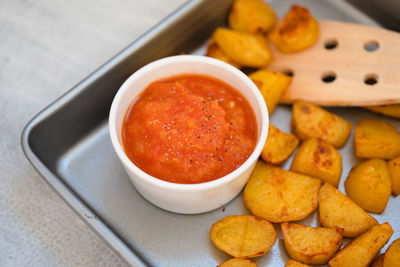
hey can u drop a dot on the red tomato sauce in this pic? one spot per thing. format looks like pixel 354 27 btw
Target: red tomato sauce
pixel 189 129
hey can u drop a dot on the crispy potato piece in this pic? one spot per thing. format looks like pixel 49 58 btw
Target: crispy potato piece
pixel 376 139
pixel 392 255
pixel 238 262
pixel 378 262
pixel 388 110
pixel 279 146
pixel 243 236
pixel 214 51
pixel 337 210
pixel 318 159
pixel 368 184
pixel 394 173
pixel 292 263
pixel 244 48
pixel 311 245
pixel 279 195
pixel 362 250
pixel 254 16
pixel 296 32
pixel 272 85
pixel 310 120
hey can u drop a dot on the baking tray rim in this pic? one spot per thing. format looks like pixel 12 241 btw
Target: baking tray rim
pixel 72 199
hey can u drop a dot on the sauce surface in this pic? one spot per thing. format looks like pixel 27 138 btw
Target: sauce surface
pixel 189 129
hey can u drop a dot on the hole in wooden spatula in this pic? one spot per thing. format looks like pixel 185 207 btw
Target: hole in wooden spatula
pixel 371 46
pixel 288 72
pixel 331 44
pixel 371 79
pixel 328 77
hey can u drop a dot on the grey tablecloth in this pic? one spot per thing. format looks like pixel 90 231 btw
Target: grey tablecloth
pixel 46 47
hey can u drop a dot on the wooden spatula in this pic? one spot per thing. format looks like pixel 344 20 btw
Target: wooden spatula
pixel 350 65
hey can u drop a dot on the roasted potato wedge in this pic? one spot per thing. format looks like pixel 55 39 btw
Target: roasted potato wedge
pixel 378 262
pixel 362 250
pixel 238 262
pixel 311 245
pixel 388 110
pixel 368 184
pixel 292 263
pixel 309 120
pixel 318 159
pixel 279 195
pixel 243 236
pixel 253 16
pixel 272 85
pixel 392 255
pixel 214 51
pixel 279 146
pixel 246 49
pixel 296 32
pixel 394 173
pixel 337 210
pixel 376 139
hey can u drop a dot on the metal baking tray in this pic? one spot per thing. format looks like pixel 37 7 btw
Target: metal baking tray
pixel 68 144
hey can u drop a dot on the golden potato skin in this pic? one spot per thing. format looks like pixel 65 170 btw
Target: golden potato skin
pixel 392 255
pixel 279 146
pixel 238 262
pixel 279 195
pixel 246 49
pixel 311 245
pixel 361 251
pixel 378 262
pixel 309 120
pixel 394 173
pixel 292 263
pixel 253 16
pixel 272 85
pixel 388 110
pixel 368 184
pixel 318 159
pixel 214 51
pixel 297 31
pixel 376 139
pixel 337 210
pixel 243 236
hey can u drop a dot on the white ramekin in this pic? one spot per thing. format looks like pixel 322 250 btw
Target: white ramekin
pixel 187 198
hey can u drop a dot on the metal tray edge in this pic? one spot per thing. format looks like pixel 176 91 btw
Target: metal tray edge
pixel 88 216
pixel 77 205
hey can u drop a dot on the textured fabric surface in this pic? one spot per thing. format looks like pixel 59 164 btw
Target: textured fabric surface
pixel 46 48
